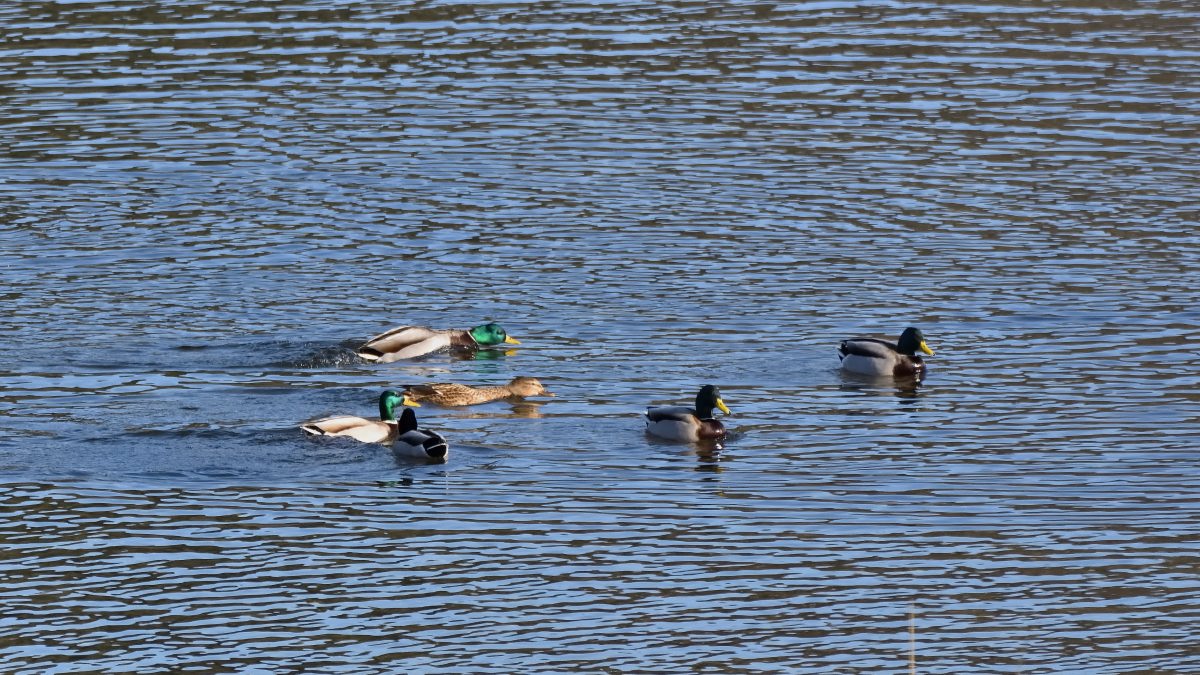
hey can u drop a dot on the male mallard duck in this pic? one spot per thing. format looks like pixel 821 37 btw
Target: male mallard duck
pixel 689 424
pixel 414 443
pixel 869 356
pixel 382 430
pixel 407 342
pixel 460 394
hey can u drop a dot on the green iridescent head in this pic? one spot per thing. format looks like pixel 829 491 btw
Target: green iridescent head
pixel 911 341
pixel 389 401
pixel 491 334
pixel 709 398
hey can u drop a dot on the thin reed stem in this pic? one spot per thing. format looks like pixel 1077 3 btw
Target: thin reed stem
pixel 912 640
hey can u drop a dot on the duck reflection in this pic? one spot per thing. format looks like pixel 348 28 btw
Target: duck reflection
pixel 908 390
pixel 708 453
pixel 529 409
pixel 516 409
pixel 481 354
pixel 708 456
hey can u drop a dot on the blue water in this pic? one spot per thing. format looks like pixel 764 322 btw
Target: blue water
pixel 207 207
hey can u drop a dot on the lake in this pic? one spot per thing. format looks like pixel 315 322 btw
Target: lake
pixel 208 205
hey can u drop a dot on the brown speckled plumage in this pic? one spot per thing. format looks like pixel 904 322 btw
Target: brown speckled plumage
pixel 451 394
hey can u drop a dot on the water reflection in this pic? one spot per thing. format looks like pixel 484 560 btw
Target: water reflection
pixel 405 482
pixel 515 409
pixel 708 456
pixel 529 409
pixel 481 354
pixel 669 196
pixel 906 389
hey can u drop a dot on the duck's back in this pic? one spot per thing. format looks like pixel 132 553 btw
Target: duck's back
pixel 871 356
pixel 673 422
pixel 404 342
pixel 421 444
pixel 358 428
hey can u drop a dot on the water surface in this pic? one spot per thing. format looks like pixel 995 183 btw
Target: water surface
pixel 207 206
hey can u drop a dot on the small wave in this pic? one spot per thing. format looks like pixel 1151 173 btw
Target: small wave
pixel 324 356
pixel 194 431
pixel 284 354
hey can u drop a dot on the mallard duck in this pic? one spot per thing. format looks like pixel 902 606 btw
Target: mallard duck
pixel 407 342
pixel 414 443
pixel 689 424
pixel 451 394
pixel 869 356
pixel 382 430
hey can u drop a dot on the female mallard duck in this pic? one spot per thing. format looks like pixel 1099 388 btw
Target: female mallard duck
pixel 407 342
pixel 460 394
pixel 689 424
pixel 869 356
pixel 414 443
pixel 383 430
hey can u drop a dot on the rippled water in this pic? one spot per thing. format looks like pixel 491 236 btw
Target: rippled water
pixel 207 205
